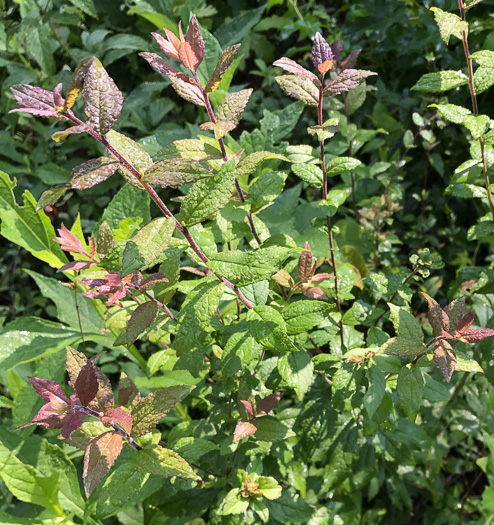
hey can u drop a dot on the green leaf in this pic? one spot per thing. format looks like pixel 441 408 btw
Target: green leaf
pixel 190 149
pixel 302 316
pixel 147 245
pixel 148 411
pixel 174 172
pixel 37 38
pixel 24 226
pixel 434 391
pixel 209 195
pixel 238 28
pixel 467 191
pixel 483 79
pixel 440 81
pixel 483 58
pixel 102 99
pixel 140 320
pixel 410 388
pixel 451 112
pixel 309 173
pixel 92 172
pixel 290 508
pixel 337 165
pixel 326 131
pixel 234 503
pixel 404 323
pixel 87 6
pixel 270 429
pixel 449 24
pixel 477 124
pixel 297 370
pixel 27 484
pixel 50 196
pixel 377 388
pixel 133 153
pixel 403 346
pixel 223 64
pixel 163 462
pixel 250 163
pixel 480 230
pixel 269 329
pixel 300 88
pixel 467 365
pixel 335 199
pixel 266 189
pixel 233 106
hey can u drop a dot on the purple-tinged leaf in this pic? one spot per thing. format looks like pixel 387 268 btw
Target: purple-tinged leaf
pixel 92 172
pixel 100 455
pixel 232 107
pixel 163 67
pixel 305 262
pixel 75 362
pixel 299 87
pixel 445 359
pixel 155 278
pixel 313 293
pixel 350 60
pixel 321 51
pixel 104 397
pixel 35 100
pixel 193 48
pixel 148 411
pixel 455 311
pixel 77 81
pixel 60 136
pixel 128 394
pixel 86 384
pixel 437 318
pixel 120 416
pixel 465 322
pixel 102 99
pixel 244 429
pixel 296 69
pixel 348 79
pixel 174 172
pixel 248 407
pixel 49 391
pixel 57 96
pixel 336 49
pixel 268 403
pixel 220 128
pixel 223 64
pixel 140 320
pixel 321 276
pixel 72 422
pixel 76 266
pixel 171 46
pixel 69 242
pixel 189 92
pixel 471 335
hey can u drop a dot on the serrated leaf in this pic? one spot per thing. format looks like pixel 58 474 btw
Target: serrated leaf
pixel 440 81
pixel 148 411
pixel 321 51
pixel 174 172
pixel 309 173
pixel 326 131
pixel 244 429
pixel 268 328
pixel 270 429
pixel 99 458
pixel 102 99
pixel 410 389
pixel 133 153
pixel 188 91
pixel 51 196
pixel 467 191
pixel 338 164
pixel 449 24
pixel 232 107
pixel 477 124
pixel 92 172
pixel 297 371
pixel 34 100
pixel 209 195
pixel 140 320
pixel 451 112
pixel 404 323
pixel 251 163
pixel 164 462
pixel 346 80
pixel 302 316
pixel 223 64
pixel 403 346
pixel 190 149
pixel 220 128
pixel 483 79
pixel 300 88
pixel 296 69
pixel 377 388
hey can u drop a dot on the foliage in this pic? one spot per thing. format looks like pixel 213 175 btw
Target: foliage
pixel 304 292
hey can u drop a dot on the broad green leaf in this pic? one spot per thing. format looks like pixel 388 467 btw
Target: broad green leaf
pixel 190 149
pixel 92 172
pixel 449 24
pixel 133 153
pixel 335 199
pixel 326 131
pixel 266 189
pixel 37 38
pixel 87 6
pixel 269 329
pixel 208 196
pixel 337 165
pixel 102 99
pixel 163 462
pixel 297 370
pixel 174 172
pixel 27 484
pixel 434 391
pixel 403 346
pixel 299 87
pixel 146 247
pixel 467 365
pixel 440 81
pixel 309 173
pixel 270 429
pixel 477 124
pixel 290 508
pixel 233 106
pixel 483 79
pixel 410 388
pixel 241 350
pixel 234 503
pixel 24 226
pixel 250 163
pixel 302 316
pixel 239 27
pixel 451 112
pixel 480 230
pixel 375 393
pixel 467 191
pixel 483 58
pixel 83 435
pixel 140 320
pixel 269 487
pixel 404 323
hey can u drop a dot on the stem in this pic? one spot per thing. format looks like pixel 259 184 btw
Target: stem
pixel 328 219
pixel 224 155
pixel 162 206
pixel 475 106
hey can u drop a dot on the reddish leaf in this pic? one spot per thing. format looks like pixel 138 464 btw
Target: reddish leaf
pixel 73 420
pixel 69 242
pixel 49 391
pixel 76 266
pixel 325 67
pixel 171 46
pixel 193 48
pixel 348 79
pixel 163 67
pixel 350 60
pixel 223 64
pixel 86 384
pixel 248 407
pixel 268 403
pixel 75 362
pixel 313 293
pixel 445 359
pixel 336 49
pixel 243 429
pixel 474 335
pixel 465 322
pixel 60 136
pixel 321 51
pixel 437 317
pixel 321 276
pixel 296 69
pixel 99 457
pixel 305 262
pixel 104 397
pixel 120 416
pixel 35 100
pixel 155 278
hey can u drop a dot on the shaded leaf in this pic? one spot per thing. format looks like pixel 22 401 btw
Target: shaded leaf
pixel 51 196
pixel 297 369
pixel 220 128
pixel 163 67
pixel 86 384
pixel 128 394
pixel 76 82
pixel 403 346
pixel 410 389
pixel 268 403
pixel 140 320
pixel 223 64
pixel 437 318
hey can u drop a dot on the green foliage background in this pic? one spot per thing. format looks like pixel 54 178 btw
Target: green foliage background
pixel 332 469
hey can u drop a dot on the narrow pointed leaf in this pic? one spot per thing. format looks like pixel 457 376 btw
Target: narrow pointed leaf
pixel 86 384
pixel 295 69
pixel 321 51
pixel 351 59
pixel 92 172
pixel 346 80
pixel 445 359
pixel 163 67
pixel 191 53
pixel 35 100
pixel 223 64
pixel 76 82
